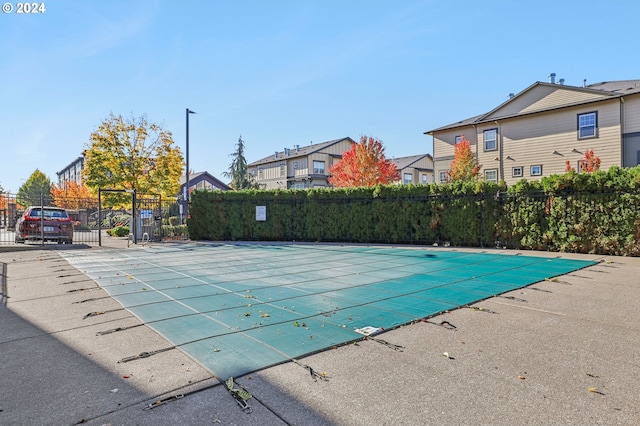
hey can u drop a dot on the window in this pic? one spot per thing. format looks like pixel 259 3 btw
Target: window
pixel 536 170
pixel 516 172
pixel 587 125
pixel 282 169
pixel 444 176
pixel 318 167
pixel 408 178
pixel 631 149
pixel 260 173
pixel 424 178
pixel 458 139
pixel 49 214
pixel 491 175
pixel 490 140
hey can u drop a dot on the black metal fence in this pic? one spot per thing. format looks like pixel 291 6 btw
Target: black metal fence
pixel 93 222
pixel 585 222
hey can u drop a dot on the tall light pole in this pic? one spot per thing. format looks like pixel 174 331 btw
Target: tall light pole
pixel 186 184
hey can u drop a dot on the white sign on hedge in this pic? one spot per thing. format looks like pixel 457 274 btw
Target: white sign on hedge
pixel 261 213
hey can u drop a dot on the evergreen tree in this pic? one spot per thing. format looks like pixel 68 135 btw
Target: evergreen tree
pixel 239 171
pixel 35 190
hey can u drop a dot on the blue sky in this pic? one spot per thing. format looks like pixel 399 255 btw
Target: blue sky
pixel 286 72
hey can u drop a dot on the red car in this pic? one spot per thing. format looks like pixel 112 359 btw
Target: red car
pixel 45 224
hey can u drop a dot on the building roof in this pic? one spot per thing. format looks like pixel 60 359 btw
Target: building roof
pixel 193 177
pixel 608 90
pixel 72 164
pixel 623 87
pixel 404 162
pixel 298 151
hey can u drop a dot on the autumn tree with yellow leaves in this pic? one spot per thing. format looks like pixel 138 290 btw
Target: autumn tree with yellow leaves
pixel 133 153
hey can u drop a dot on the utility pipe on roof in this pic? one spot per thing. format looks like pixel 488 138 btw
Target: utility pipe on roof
pixel 622 130
pixel 475 133
pixel 500 151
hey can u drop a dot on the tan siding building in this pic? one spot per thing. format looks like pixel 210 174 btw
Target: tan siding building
pixel 632 115
pixel 536 132
pixel 300 167
pixel 415 169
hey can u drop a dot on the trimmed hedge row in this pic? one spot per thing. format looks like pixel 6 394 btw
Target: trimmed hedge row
pixel 586 213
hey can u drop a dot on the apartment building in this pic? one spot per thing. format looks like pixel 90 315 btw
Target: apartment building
pixel 535 132
pixel 415 169
pixel 72 172
pixel 300 167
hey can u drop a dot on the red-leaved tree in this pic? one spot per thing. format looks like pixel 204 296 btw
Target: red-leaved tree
pixel 589 164
pixel 71 195
pixel 363 165
pixel 464 165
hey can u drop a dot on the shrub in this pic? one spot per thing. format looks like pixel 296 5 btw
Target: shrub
pixel 169 231
pixel 119 231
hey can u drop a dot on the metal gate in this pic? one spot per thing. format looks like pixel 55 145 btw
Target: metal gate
pixel 8 216
pixel 148 218
pixel 137 217
pixel 144 220
pixel 81 211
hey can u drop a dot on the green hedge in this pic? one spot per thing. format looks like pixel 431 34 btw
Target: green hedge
pixel 386 214
pixel 586 213
pixel 576 212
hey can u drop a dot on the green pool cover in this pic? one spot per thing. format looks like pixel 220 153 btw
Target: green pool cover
pixel 238 308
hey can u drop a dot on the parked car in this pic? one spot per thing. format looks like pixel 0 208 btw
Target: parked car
pixel 44 224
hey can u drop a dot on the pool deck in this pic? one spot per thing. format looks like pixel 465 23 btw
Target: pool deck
pixel 557 352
